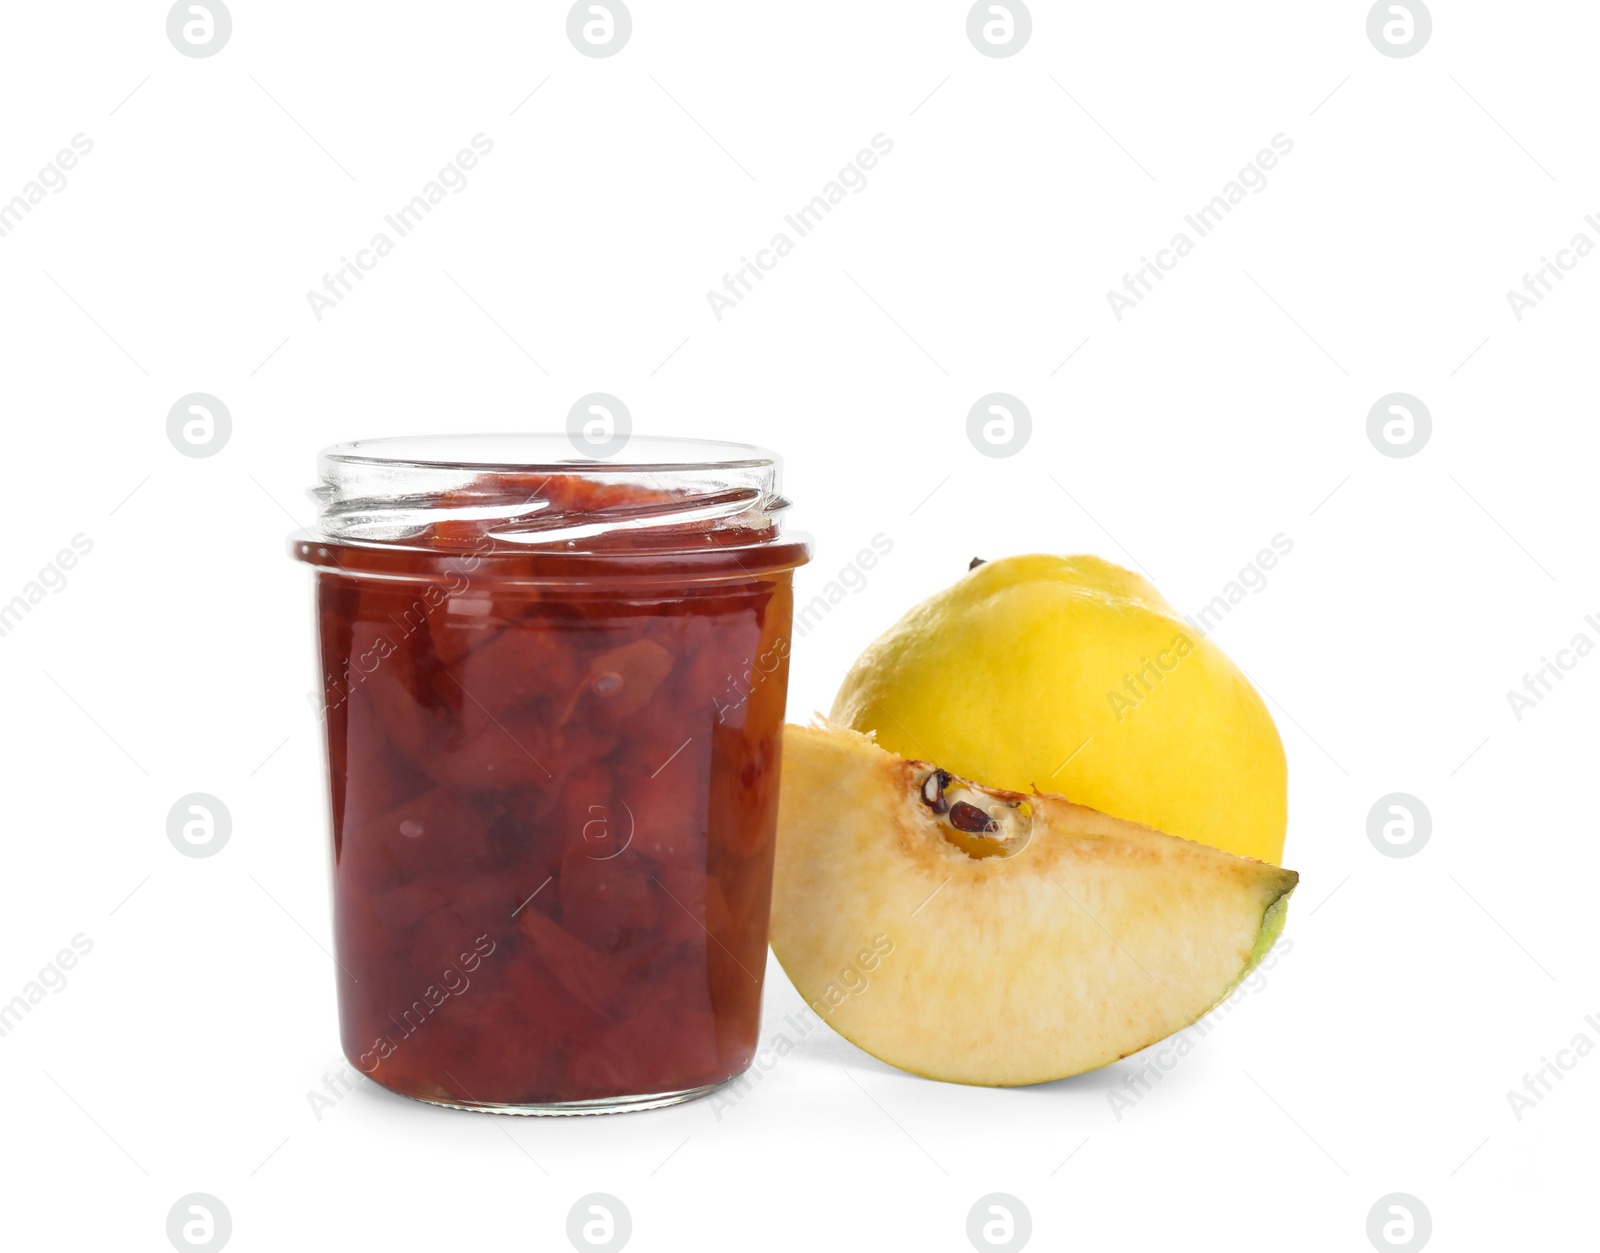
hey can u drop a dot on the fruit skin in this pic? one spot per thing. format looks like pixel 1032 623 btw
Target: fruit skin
pixel 1098 938
pixel 1021 675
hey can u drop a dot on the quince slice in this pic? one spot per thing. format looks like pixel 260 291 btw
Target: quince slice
pixel 980 936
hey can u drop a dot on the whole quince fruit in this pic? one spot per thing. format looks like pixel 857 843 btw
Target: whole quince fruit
pixel 1073 676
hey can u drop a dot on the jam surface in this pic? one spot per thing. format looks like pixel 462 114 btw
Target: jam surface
pixel 554 801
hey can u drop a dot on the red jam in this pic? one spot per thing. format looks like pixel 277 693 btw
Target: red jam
pixel 554 776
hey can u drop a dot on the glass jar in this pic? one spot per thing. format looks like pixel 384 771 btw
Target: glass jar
pixel 553 693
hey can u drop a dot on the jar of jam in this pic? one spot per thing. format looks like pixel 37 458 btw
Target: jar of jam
pixel 553 692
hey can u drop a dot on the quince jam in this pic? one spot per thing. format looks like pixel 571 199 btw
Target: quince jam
pixel 553 736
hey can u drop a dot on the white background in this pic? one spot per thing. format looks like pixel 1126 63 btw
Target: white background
pixel 1229 407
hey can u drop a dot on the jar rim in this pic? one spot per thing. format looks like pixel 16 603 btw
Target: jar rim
pixel 530 507
pixel 537 451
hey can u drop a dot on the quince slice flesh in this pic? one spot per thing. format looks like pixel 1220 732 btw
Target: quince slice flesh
pixel 986 937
